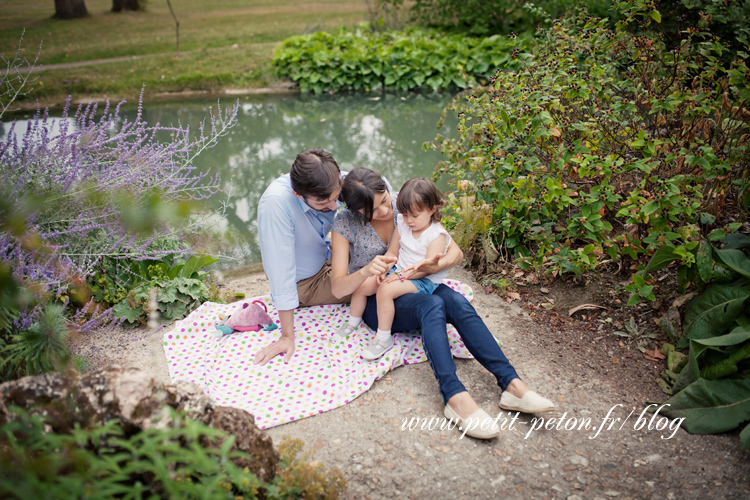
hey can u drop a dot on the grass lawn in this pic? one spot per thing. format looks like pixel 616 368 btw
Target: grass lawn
pixel 223 43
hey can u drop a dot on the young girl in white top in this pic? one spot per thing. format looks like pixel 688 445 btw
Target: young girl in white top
pixel 418 238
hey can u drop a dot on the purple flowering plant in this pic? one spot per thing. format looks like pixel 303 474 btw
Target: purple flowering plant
pixel 92 188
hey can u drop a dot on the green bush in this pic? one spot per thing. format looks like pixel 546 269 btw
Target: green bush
pixel 172 298
pixel 492 17
pixel 710 387
pixel 602 145
pixel 36 347
pixel 105 463
pixel 363 60
pixel 171 288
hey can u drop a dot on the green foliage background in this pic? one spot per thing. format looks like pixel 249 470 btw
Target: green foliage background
pixel 490 17
pixel 105 462
pixel 602 145
pixel 409 60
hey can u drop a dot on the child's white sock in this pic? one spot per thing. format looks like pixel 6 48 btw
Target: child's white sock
pixel 354 321
pixel 383 334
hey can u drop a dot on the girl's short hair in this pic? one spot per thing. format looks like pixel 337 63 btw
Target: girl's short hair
pixel 420 194
pixel 359 189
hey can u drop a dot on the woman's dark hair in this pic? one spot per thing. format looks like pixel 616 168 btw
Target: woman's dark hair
pixel 359 189
pixel 420 194
pixel 315 173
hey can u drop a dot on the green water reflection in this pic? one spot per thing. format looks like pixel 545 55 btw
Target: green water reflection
pixel 384 132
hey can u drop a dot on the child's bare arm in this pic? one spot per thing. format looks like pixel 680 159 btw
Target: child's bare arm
pixel 436 248
pixel 434 251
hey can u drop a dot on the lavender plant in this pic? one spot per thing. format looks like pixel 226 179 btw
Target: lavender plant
pixel 92 187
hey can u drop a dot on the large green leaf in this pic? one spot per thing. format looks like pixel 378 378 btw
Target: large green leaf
pixel 122 310
pixel 692 371
pixel 195 263
pixel 745 438
pixel 704 261
pixel 736 260
pixel 734 338
pixel 736 240
pixel 175 310
pixel 711 406
pixel 662 258
pixel 175 271
pixel 727 366
pixel 714 311
pixel 167 294
pixel 193 288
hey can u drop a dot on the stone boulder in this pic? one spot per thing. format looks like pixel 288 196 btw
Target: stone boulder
pixel 140 402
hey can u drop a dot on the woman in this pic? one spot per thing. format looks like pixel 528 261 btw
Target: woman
pixel 360 236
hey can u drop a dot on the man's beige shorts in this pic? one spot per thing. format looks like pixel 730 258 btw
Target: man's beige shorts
pixel 316 290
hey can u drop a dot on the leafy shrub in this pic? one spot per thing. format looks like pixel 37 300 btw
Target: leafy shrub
pixel 710 386
pixel 298 477
pixel 104 463
pixel 174 299
pixel 39 349
pixel 492 17
pixel 180 286
pixel 602 145
pixel 362 60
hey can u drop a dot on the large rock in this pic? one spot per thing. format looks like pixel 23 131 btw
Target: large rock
pixel 140 402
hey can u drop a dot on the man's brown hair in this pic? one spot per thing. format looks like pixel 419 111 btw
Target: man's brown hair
pixel 315 174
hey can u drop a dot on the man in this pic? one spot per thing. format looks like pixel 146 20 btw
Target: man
pixel 295 216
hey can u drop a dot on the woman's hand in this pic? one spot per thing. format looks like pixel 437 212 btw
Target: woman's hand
pixel 380 265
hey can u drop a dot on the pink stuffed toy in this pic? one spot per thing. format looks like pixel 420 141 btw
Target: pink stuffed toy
pixel 250 317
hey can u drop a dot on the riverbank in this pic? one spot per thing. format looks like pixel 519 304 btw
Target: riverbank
pixel 224 48
pixel 369 439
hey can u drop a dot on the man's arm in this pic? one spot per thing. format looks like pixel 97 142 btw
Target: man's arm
pixel 284 345
pixel 276 241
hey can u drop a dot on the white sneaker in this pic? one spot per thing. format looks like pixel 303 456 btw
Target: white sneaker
pixel 344 331
pixel 377 348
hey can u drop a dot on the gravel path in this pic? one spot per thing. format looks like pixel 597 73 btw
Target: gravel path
pixel 370 442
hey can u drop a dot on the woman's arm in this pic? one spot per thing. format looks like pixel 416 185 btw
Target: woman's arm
pixel 395 245
pixel 343 283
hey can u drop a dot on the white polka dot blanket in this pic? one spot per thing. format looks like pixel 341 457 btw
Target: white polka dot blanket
pixel 323 373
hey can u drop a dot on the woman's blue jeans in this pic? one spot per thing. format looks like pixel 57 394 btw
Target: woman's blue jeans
pixel 430 313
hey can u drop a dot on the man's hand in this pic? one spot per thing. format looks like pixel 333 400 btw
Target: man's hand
pixel 283 345
pixel 425 266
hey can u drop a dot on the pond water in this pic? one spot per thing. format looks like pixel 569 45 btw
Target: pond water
pixel 384 132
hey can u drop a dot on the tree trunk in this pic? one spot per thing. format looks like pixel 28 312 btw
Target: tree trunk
pixel 70 9
pixel 120 5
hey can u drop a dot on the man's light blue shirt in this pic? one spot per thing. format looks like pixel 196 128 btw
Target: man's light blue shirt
pixel 293 240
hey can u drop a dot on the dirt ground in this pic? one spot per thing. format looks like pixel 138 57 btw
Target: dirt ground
pixel 593 377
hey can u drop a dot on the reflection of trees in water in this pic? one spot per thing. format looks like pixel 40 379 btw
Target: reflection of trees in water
pixel 384 132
